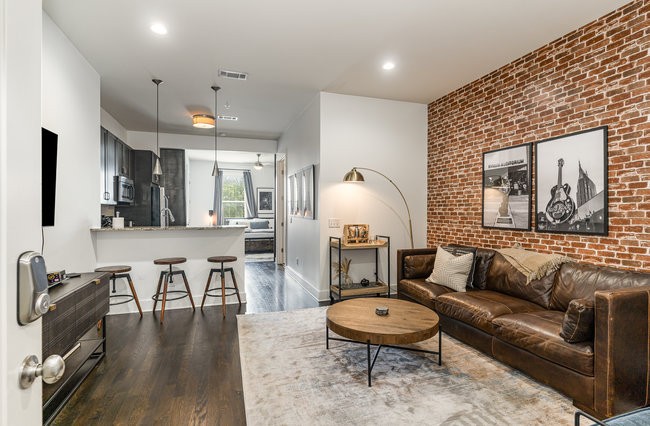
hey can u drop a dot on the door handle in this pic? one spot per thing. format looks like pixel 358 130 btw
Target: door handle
pixel 51 370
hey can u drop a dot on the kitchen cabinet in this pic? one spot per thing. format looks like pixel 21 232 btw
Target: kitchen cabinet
pixel 116 160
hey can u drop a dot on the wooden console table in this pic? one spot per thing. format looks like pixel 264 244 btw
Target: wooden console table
pixel 75 329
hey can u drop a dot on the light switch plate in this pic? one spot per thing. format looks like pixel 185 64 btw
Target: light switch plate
pixel 334 223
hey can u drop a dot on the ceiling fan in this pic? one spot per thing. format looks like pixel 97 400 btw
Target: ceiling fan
pixel 258 165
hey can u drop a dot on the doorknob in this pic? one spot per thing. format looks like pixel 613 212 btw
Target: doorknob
pixel 51 370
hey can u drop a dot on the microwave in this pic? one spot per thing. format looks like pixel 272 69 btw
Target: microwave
pixel 124 190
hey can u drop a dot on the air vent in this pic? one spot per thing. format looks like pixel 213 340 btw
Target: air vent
pixel 228 117
pixel 235 75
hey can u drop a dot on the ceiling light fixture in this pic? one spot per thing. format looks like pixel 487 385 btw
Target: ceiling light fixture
pixel 388 65
pixel 258 165
pixel 158 28
pixel 203 121
pixel 157 169
pixel 215 168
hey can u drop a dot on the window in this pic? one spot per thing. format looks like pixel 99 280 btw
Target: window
pixel 233 195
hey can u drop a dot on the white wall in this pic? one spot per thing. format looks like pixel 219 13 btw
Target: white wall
pixel 112 125
pixel 70 108
pixel 201 186
pixel 301 144
pixel 390 137
pixel 336 133
pixel 20 199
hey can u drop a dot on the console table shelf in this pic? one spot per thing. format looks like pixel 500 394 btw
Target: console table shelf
pixel 377 287
pixel 75 329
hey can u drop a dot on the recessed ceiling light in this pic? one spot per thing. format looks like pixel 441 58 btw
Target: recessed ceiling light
pixel 158 28
pixel 388 65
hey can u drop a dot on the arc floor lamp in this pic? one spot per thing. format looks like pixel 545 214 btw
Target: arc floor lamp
pixel 355 176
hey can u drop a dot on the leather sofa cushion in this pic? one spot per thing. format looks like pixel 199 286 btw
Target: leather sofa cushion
pixel 582 280
pixel 418 265
pixel 505 278
pixel 422 291
pixel 539 333
pixel 478 308
pixel 481 267
pixel 578 322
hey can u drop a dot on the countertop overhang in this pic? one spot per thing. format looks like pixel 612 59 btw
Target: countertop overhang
pixel 168 228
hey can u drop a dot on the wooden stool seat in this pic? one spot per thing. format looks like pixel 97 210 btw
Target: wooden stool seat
pixel 117 269
pixel 222 259
pixel 170 261
pixel 222 272
pixel 117 272
pixel 167 277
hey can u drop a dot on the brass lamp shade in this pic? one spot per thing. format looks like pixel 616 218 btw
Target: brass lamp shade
pixel 203 121
pixel 353 176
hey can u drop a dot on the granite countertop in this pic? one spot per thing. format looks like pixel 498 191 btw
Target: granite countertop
pixel 169 228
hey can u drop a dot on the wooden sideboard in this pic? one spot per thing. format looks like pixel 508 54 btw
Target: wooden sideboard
pixel 75 329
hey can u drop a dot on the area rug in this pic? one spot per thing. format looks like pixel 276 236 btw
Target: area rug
pixel 289 378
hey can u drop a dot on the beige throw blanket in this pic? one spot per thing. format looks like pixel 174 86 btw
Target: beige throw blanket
pixel 532 264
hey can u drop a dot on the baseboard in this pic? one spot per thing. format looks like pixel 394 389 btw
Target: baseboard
pixel 318 294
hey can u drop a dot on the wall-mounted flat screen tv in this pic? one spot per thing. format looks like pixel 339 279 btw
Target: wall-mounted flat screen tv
pixel 49 143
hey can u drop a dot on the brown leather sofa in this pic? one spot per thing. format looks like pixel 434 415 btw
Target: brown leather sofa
pixel 520 324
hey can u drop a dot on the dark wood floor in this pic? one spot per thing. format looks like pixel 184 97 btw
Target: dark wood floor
pixel 184 372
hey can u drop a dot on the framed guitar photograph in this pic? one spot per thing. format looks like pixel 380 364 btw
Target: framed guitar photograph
pixel 507 188
pixel 571 183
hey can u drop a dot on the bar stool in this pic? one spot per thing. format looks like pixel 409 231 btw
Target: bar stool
pixel 121 271
pixel 221 270
pixel 168 277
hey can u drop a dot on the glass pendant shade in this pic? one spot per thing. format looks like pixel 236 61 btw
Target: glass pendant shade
pixel 157 168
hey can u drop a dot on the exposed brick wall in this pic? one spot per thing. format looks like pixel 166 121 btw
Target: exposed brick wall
pixel 597 75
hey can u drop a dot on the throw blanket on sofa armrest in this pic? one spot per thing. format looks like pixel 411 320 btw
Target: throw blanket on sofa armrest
pixel 532 264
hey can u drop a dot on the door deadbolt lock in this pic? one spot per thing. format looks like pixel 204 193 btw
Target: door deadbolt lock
pixel 51 370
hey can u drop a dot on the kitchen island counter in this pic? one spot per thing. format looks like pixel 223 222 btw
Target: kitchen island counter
pixel 137 247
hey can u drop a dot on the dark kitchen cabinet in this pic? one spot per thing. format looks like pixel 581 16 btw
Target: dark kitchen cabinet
pixel 116 160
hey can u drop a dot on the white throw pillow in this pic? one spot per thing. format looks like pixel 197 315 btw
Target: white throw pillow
pixel 451 271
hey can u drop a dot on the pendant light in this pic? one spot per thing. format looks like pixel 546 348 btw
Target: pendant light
pixel 215 168
pixel 157 169
pixel 258 165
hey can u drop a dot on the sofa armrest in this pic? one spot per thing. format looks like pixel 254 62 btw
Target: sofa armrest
pixel 402 253
pixel 621 350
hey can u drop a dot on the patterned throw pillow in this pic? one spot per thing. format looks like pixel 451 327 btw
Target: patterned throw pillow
pixel 451 271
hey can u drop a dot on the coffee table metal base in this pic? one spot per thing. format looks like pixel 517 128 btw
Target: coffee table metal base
pixel 368 345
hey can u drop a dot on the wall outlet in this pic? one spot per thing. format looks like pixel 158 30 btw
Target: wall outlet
pixel 334 222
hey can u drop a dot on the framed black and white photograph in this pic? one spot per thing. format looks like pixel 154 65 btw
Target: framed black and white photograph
pixel 307 175
pixel 507 188
pixel 265 203
pixel 571 183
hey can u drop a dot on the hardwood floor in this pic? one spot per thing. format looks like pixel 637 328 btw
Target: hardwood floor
pixel 184 372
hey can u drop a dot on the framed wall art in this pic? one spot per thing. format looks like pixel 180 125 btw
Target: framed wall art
pixel 507 188
pixel 301 193
pixel 265 202
pixel 571 183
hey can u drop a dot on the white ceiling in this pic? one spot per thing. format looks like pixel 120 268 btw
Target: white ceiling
pixel 293 49
pixel 230 156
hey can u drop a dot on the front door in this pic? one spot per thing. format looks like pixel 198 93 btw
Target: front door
pixel 20 197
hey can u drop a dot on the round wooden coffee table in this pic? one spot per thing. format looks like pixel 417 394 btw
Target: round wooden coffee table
pixel 406 322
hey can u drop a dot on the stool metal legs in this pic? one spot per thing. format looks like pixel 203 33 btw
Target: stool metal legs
pixel 134 294
pixel 222 272
pixel 166 277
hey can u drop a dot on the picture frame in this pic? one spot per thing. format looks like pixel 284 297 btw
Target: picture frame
pixel 265 201
pixel 571 183
pixel 300 199
pixel 507 190
pixel 356 233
